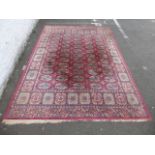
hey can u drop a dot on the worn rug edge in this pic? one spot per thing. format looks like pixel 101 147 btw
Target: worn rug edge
pixel 54 121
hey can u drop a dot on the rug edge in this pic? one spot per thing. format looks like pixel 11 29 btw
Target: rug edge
pixel 56 121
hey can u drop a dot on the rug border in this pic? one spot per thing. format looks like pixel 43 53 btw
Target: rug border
pixel 131 76
pixel 6 120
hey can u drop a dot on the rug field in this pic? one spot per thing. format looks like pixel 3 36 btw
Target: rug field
pixel 76 73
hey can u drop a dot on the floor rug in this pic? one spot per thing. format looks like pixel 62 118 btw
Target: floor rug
pixel 76 73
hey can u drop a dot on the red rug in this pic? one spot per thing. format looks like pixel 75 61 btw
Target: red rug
pixel 76 73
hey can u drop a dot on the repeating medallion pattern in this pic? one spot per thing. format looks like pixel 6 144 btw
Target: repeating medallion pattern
pixel 76 72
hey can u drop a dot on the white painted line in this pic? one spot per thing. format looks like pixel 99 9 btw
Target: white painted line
pixel 120 29
pixel 94 20
pixel 153 21
pixel 105 22
pixel 144 68
pixel 97 24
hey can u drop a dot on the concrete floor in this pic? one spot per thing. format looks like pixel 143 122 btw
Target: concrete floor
pixel 138 48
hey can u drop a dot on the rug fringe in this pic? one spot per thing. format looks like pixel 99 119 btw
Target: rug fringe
pixel 27 122
pixel 14 122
